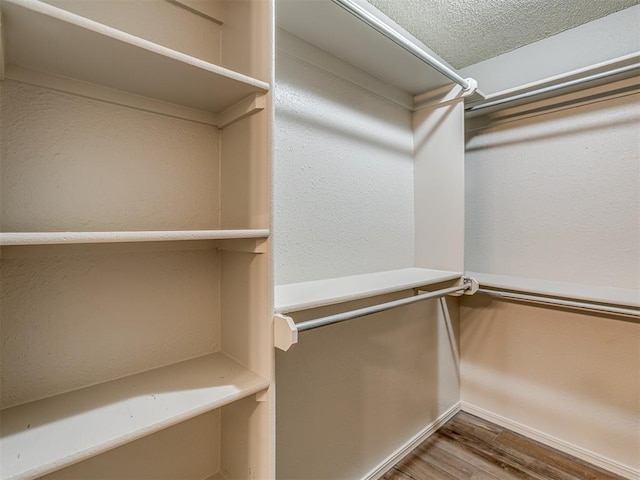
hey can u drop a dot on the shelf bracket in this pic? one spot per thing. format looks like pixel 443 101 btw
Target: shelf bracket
pixel 472 286
pixel 252 104
pixel 285 332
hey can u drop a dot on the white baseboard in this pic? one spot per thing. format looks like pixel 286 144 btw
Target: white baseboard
pixel 408 447
pixel 553 442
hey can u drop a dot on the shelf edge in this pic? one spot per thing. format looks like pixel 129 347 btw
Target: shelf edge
pixel 53 238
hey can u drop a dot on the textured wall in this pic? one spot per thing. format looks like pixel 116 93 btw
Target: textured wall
pixel 348 396
pixel 556 196
pixel 343 170
pixel 572 376
pixel 118 168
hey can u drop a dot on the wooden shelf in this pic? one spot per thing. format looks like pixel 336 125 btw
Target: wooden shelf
pixel 42 38
pixel 301 296
pixel 589 293
pixel 334 30
pixel 49 238
pixel 50 434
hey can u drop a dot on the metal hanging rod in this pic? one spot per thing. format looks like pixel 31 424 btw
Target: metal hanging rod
pixel 361 312
pixel 553 88
pixel 380 26
pixel 632 312
pixel 286 330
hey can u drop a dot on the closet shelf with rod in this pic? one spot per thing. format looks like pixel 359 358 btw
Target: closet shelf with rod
pixel 302 296
pixel 45 45
pixel 609 300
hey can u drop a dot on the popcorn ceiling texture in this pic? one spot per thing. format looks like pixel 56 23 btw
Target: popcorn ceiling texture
pixel 465 32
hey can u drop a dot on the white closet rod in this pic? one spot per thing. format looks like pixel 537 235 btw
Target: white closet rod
pixel 361 312
pixel 632 312
pixel 553 88
pixel 380 26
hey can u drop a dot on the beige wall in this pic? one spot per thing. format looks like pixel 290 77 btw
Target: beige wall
pixel 555 197
pixel 349 395
pixel 572 376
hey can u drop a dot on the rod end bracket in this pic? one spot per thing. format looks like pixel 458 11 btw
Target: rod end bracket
pixel 473 285
pixel 285 332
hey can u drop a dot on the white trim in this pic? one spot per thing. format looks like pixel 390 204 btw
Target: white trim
pixel 553 442
pixel 408 447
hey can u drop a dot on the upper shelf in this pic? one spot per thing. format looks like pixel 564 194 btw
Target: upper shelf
pixel 300 296
pixel 590 293
pixel 328 26
pixel 50 434
pixel 37 36
pixel 52 238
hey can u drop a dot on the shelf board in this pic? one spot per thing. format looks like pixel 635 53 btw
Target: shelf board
pixel 46 435
pixel 590 293
pixel 40 37
pixel 334 30
pixel 301 296
pixel 50 238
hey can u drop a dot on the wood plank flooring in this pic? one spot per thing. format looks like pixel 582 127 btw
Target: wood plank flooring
pixel 469 448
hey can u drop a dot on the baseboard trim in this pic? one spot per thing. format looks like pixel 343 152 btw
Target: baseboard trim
pixel 553 442
pixel 408 447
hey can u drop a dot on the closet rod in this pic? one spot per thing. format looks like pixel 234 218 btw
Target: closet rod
pixel 381 27
pixel 361 312
pixel 553 88
pixel 632 312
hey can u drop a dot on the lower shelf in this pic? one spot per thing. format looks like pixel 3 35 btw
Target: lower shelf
pixel 46 435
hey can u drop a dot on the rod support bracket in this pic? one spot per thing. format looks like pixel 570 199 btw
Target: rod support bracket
pixel 285 332
pixel 473 285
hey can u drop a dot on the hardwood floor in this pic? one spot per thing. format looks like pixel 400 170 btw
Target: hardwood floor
pixel 469 448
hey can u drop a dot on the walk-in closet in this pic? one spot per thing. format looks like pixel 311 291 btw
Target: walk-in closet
pixel 301 239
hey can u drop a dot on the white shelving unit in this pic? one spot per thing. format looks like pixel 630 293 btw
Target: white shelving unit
pixel 49 434
pixel 135 239
pixel 319 293
pixel 91 52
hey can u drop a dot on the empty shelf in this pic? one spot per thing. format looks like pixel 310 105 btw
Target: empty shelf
pixel 49 238
pixel 47 39
pixel 300 296
pixel 46 435
pixel 590 293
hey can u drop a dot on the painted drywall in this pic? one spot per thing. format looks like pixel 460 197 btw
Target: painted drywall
pixel 569 375
pixel 609 37
pixel 348 396
pixel 343 177
pixel 556 196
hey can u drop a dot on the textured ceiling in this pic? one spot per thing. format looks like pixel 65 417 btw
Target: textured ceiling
pixel 464 32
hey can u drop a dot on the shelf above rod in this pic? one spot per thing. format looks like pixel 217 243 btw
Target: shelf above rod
pixel 381 27
pixel 53 238
pixel 596 307
pixel 555 88
pixel 286 331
